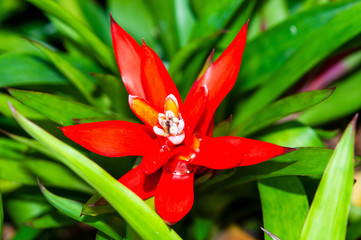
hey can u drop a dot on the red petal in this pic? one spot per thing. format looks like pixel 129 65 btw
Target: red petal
pixel 174 196
pixel 230 152
pixel 220 77
pixel 111 138
pixel 127 53
pixel 140 183
pixel 156 80
pixel 194 107
pixel 155 158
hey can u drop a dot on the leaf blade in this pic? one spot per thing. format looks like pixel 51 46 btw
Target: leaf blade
pixel 333 196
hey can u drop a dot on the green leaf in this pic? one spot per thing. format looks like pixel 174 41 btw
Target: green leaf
pixel 82 82
pixel 10 148
pixel 336 32
pixel 30 143
pixel 57 109
pixel 184 20
pixel 19 69
pixel 145 221
pixel 280 109
pixel 1 214
pixel 94 207
pixel 115 90
pixel 102 52
pixel 284 206
pixel 26 233
pixel 292 134
pixel 110 225
pixel 327 218
pixel 135 18
pixel 25 204
pixel 263 61
pixel 183 56
pixel 49 220
pixel 91 14
pixel 213 15
pixel 26 171
pixel 163 12
pixel 28 112
pixel 305 161
pixel 345 100
pixel 274 12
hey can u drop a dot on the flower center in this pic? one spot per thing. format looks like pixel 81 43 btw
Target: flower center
pixel 171 123
pixel 171 127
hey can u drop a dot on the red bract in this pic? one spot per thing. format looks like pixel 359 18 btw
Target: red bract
pixel 175 140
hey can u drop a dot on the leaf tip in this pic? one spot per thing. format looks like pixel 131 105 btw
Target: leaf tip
pixel 42 188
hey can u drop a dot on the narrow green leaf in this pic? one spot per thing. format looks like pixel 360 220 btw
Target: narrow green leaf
pixel 102 236
pixel 12 149
pixel 163 13
pixel 280 109
pixel 292 134
pixel 20 69
pixel 110 225
pixel 144 220
pixel 30 143
pixel 57 109
pixel 49 220
pixel 1 214
pixel 184 20
pixel 94 207
pixel 305 161
pixel 26 171
pixel 274 12
pixel 263 61
pixel 213 15
pixel 345 100
pixel 82 82
pixel 28 112
pixel 284 206
pixel 184 54
pixel 327 218
pixel 103 53
pixel 336 32
pixel 135 18
pixel 91 14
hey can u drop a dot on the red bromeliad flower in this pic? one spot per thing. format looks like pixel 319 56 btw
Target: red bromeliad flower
pixel 175 141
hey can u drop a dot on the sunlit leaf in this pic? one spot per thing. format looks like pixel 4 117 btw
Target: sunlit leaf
pixel 327 218
pixel 284 206
pixel 57 109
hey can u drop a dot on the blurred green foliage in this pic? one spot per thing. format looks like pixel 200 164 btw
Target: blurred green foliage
pixel 300 70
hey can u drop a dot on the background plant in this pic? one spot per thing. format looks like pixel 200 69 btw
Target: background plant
pixel 57 61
